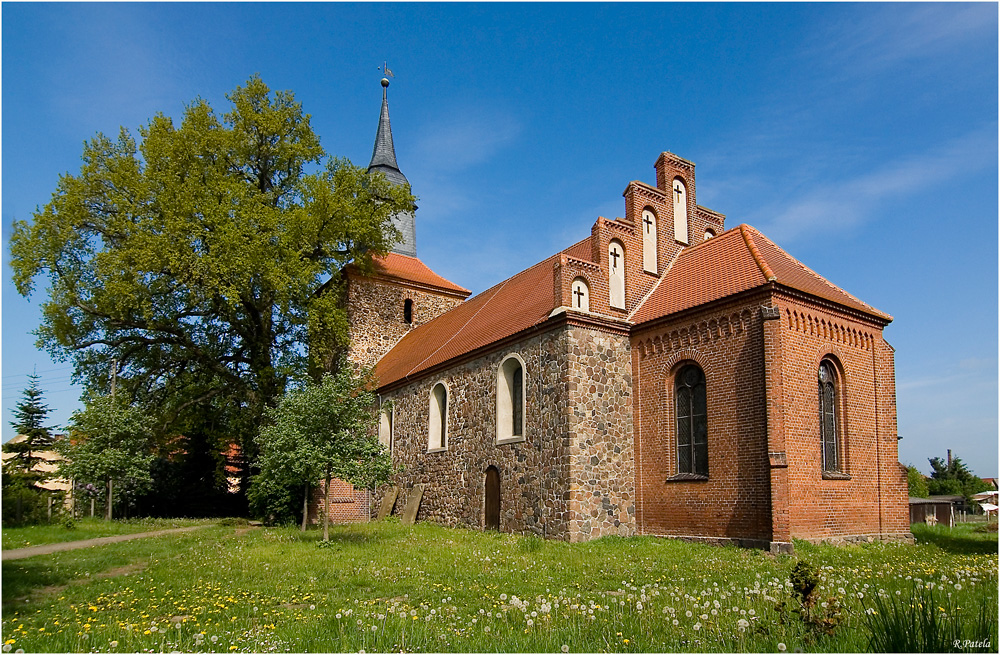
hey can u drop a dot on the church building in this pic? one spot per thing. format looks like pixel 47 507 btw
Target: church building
pixel 662 376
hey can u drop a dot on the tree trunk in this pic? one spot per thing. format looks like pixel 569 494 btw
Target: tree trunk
pixel 110 499
pixel 326 509
pixel 305 509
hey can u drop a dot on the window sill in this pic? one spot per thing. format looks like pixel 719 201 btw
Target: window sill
pixel 507 440
pixel 688 477
pixel 437 450
pixel 835 475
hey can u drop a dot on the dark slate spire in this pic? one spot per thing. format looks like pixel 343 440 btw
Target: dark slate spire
pixel 384 161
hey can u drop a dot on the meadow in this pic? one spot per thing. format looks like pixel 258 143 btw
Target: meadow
pixel 383 587
pixel 88 528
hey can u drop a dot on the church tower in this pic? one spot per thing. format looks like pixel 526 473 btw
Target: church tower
pixel 401 292
pixel 384 161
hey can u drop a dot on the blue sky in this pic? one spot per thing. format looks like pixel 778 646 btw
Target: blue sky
pixel 861 138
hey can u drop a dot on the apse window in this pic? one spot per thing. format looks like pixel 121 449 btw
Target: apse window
pixel 828 416
pixel 510 400
pixel 692 421
pixel 438 421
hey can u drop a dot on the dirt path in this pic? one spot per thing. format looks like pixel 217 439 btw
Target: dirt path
pixel 46 549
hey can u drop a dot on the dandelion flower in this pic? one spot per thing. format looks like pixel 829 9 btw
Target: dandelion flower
pixel 114 644
pixel 564 648
pixel 697 626
pixel 782 647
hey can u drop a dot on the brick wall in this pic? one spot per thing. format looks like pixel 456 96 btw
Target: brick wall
pixel 871 499
pixel 347 504
pixel 734 502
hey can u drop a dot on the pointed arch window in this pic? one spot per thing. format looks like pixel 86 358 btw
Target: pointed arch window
pixel 616 273
pixel 438 421
pixel 648 240
pixel 692 421
pixel 828 418
pixel 510 400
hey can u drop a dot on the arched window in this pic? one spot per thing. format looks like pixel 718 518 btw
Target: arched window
pixel 438 423
pixel 680 210
pixel 385 428
pixel 709 234
pixel 692 421
pixel 616 273
pixel 510 400
pixel 648 240
pixel 408 311
pixel 580 295
pixel 828 416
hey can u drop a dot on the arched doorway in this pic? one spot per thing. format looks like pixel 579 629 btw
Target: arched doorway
pixel 492 498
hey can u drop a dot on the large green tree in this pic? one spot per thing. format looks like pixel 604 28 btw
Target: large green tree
pixel 196 261
pixel 109 445
pixel 319 432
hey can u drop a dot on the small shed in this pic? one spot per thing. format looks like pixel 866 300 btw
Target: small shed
pixel 932 511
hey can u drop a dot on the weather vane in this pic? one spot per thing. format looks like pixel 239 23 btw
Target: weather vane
pixel 385 70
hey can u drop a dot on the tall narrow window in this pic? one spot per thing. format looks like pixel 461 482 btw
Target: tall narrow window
pixel 648 240
pixel 828 416
pixel 680 211
pixel 407 311
pixel 616 274
pixel 438 421
pixel 580 295
pixel 692 421
pixel 510 399
pixel 385 428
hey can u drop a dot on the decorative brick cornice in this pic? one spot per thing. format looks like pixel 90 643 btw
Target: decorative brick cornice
pixel 581 263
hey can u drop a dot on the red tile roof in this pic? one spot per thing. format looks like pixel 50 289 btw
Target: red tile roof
pixel 737 260
pixel 412 269
pixel 515 304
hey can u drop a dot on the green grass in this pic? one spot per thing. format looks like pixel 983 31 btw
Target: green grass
pixel 87 528
pixel 386 587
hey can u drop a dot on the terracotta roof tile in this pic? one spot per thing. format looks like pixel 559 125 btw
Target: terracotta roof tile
pixel 412 269
pixel 515 304
pixel 735 261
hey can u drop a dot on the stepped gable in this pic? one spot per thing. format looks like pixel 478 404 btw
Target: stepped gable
pixel 410 269
pixel 514 305
pixel 738 260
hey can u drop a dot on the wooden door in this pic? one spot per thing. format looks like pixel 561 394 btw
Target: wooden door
pixel 492 498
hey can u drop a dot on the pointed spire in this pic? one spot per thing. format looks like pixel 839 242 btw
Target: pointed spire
pixel 384 154
pixel 384 161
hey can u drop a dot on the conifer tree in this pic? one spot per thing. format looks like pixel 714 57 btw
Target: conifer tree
pixel 30 424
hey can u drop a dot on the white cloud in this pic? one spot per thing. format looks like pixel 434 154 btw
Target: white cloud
pixel 833 204
pixel 464 138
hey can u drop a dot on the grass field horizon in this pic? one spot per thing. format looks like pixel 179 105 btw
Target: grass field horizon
pixel 382 587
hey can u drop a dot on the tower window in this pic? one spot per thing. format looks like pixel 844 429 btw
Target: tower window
pixel 408 311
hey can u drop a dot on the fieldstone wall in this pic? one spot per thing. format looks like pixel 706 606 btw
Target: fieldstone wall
pixel 375 315
pixel 602 473
pixel 533 472
pixel 570 478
